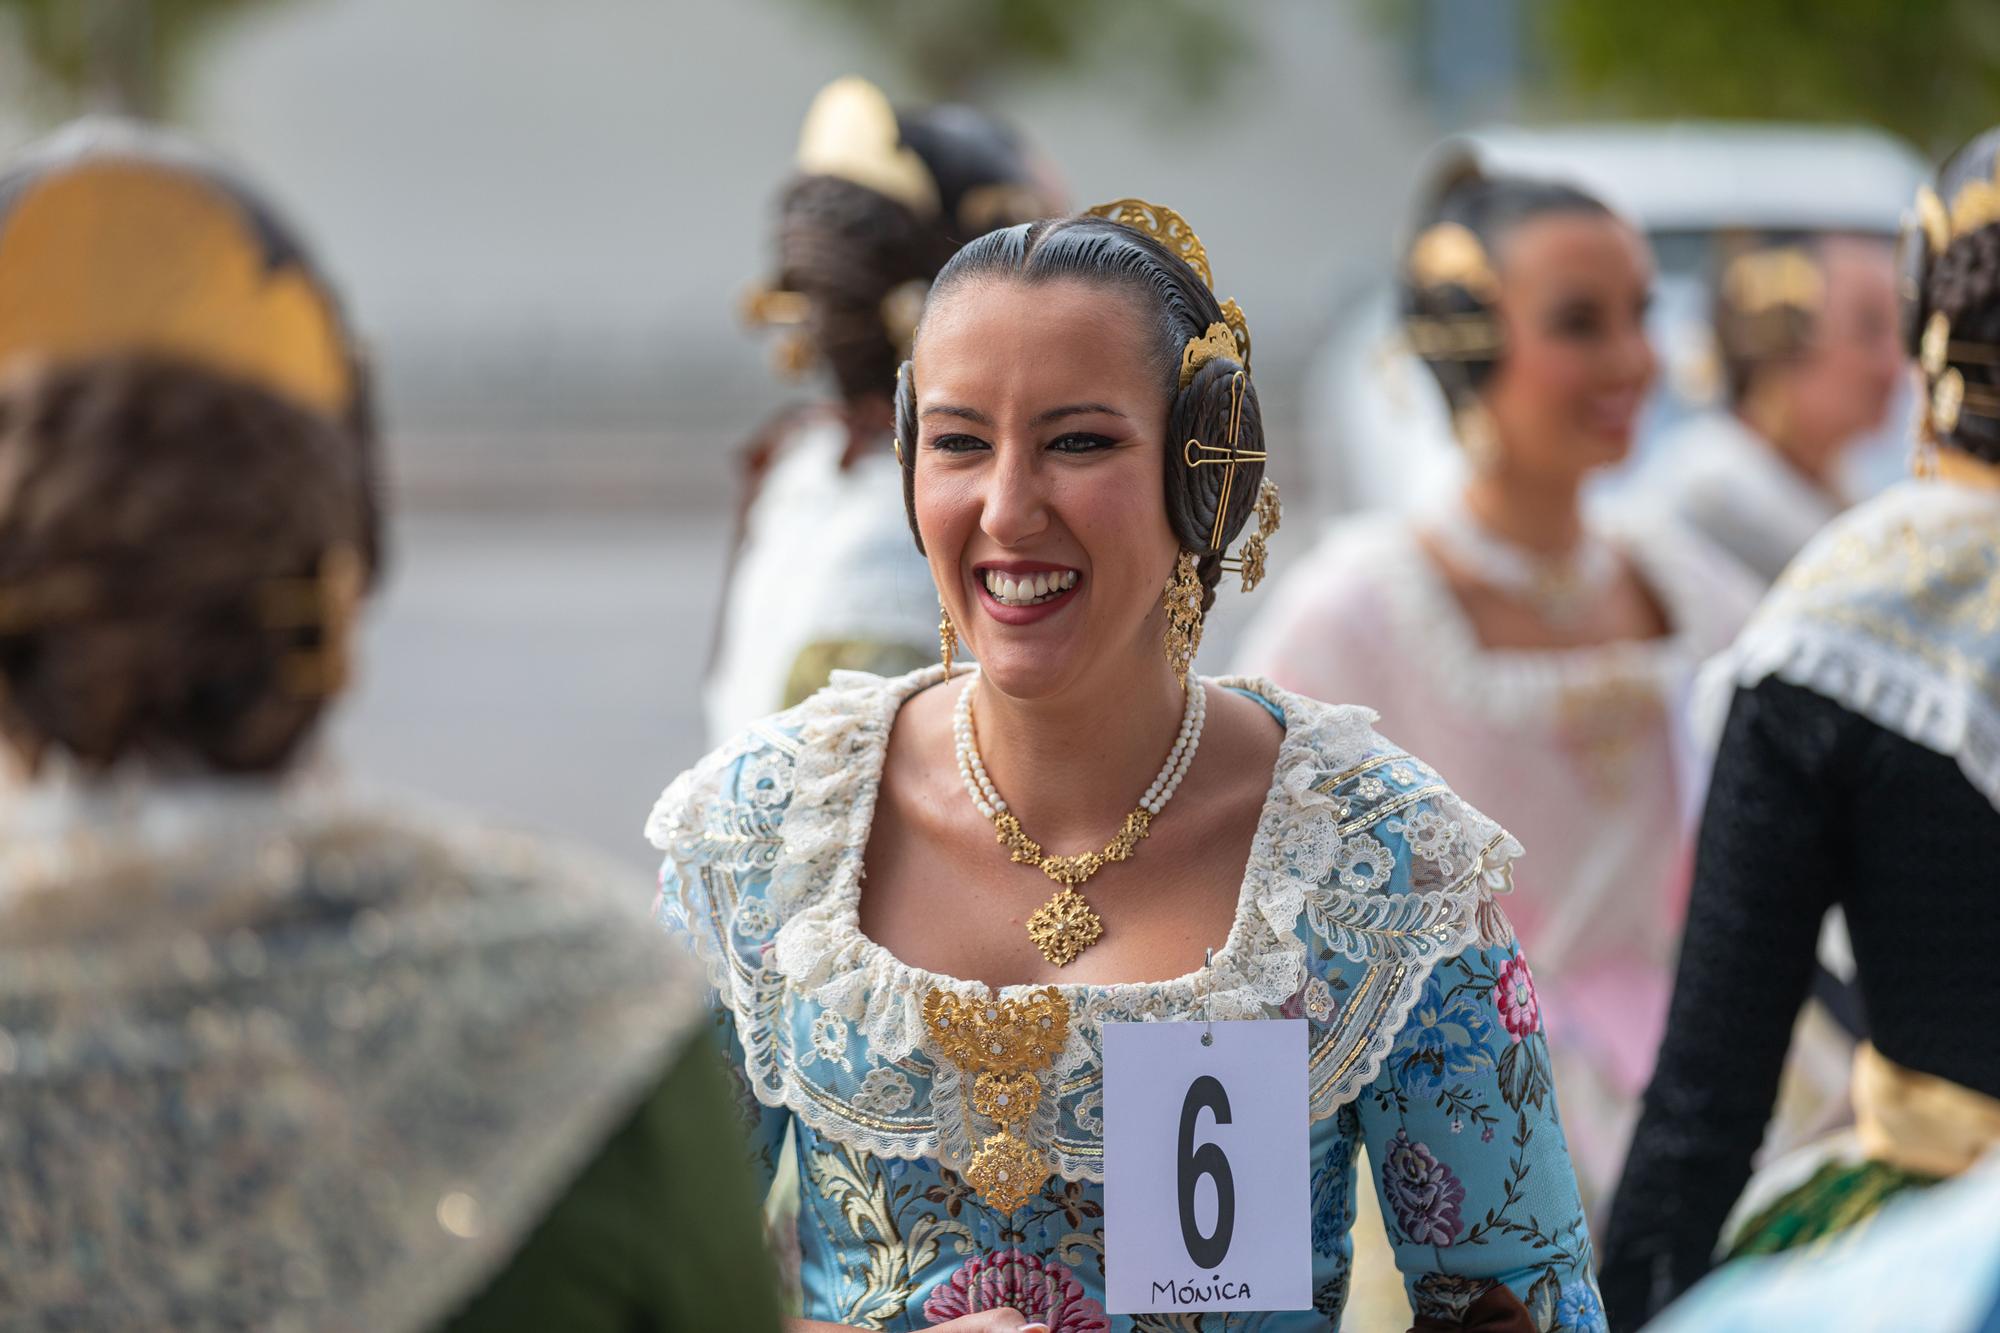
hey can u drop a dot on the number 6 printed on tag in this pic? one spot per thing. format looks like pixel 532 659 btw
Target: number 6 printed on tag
pixel 1208 1251
pixel 1206 1167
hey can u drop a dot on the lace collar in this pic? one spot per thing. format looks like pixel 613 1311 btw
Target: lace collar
pixel 1704 600
pixel 1893 612
pixel 821 947
pixel 764 843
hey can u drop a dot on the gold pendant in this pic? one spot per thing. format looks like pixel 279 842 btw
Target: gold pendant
pixel 1064 927
pixel 1006 1172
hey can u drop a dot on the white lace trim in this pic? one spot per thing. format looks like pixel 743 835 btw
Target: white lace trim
pixel 820 765
pixel 1846 623
pixel 1705 597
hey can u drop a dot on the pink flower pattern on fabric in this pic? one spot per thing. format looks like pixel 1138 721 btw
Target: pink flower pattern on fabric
pixel 1040 1291
pixel 1514 997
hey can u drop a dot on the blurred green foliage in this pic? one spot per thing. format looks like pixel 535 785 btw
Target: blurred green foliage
pixel 116 55
pixel 1927 69
pixel 960 49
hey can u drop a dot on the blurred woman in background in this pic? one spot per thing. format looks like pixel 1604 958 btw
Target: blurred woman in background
pixel 1805 330
pixel 1859 769
pixel 823 577
pixel 1539 656
pixel 271 1056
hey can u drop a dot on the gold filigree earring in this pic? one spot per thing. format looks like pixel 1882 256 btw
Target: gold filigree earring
pixel 947 638
pixel 1183 603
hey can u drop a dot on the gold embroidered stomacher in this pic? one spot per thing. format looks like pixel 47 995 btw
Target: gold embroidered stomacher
pixel 1002 1045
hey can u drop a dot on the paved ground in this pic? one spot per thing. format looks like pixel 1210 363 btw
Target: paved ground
pixel 544 670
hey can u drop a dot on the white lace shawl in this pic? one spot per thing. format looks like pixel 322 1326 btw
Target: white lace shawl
pixel 301 1059
pixel 1892 612
pixel 1362 855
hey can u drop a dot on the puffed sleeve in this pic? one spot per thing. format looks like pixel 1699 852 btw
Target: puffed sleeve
pixel 716 825
pixel 1468 1156
pixel 1425 1013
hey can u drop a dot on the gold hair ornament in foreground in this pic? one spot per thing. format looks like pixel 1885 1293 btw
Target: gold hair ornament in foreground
pixel 1951 399
pixel 1228 339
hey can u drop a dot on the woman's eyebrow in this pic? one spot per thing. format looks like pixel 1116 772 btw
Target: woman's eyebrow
pixel 964 413
pixel 1076 410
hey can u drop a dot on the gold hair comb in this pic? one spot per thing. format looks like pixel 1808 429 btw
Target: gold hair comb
pixel 1447 254
pixel 1171 230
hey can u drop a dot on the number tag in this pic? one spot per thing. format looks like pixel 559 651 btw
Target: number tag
pixel 1206 1167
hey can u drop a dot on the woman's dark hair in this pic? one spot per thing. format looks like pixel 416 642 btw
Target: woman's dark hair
pixel 846 247
pixel 1490 208
pixel 150 512
pixel 1963 284
pixel 1178 306
pixel 281 249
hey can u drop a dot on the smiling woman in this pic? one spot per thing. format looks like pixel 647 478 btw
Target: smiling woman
pixel 1082 461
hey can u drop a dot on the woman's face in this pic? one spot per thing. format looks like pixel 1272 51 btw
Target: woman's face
pixel 1573 294
pixel 1041 420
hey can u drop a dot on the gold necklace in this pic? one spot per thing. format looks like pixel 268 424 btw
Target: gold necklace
pixel 1066 925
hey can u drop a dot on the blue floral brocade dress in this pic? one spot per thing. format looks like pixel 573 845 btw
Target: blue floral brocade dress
pixel 1367 908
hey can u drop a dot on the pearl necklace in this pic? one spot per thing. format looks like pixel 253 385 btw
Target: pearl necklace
pixel 1066 924
pixel 1561 588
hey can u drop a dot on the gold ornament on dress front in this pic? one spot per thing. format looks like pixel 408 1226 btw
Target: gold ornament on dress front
pixel 1004 1045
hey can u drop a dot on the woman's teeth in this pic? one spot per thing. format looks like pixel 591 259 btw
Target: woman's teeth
pixel 1029 589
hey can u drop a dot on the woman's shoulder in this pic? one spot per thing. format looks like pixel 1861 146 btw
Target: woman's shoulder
pixel 759 770
pixel 1341 790
pixel 1376 873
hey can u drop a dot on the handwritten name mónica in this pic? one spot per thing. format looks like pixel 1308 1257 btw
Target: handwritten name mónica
pixel 1202 1292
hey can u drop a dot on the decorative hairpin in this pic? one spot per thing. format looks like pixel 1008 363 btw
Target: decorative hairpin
pixel 1164 225
pixel 1171 230
pixel 1257 546
pixel 1217 343
pixel 1772 279
pixel 851 132
pixel 1952 400
pixel 1466 337
pixel 1939 349
pixel 1227 338
pixel 1196 454
pixel 1447 254
pixel 1976 205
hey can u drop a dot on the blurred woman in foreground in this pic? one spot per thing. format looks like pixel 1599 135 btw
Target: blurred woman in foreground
pixel 272 1057
pixel 1535 655
pixel 1859 768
